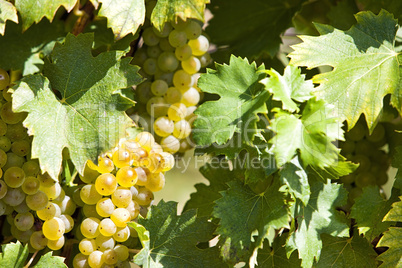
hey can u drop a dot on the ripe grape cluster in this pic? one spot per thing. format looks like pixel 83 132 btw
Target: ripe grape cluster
pixel 371 153
pixel 113 193
pixel 170 61
pixel 36 206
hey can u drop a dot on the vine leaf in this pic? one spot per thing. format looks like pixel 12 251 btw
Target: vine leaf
pixel 312 134
pixel 366 66
pixel 242 97
pixel 8 12
pixel 27 47
pixel 169 10
pixel 397 163
pixel 123 16
pixel 48 260
pixel 368 210
pixel 275 256
pixel 289 88
pixel 354 252
pixel 88 115
pixel 255 26
pixel 318 217
pixel 32 12
pixel 392 239
pixel 242 212
pixel 169 240
pixel 13 255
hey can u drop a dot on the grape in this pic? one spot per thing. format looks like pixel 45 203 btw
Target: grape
pixel 133 208
pixel 37 240
pixel 157 107
pixel 154 51
pixel 21 147
pixel 89 194
pixel 107 227
pixel 87 246
pixel 170 144
pixel 364 162
pixel 22 208
pixel 165 45
pixel 191 97
pixel 90 227
pixel 163 126
pixel 3 128
pixel 31 168
pixel 190 116
pixel 156 182
pixel 110 256
pixel 144 197
pixel 122 252
pixel 146 140
pixel 7 95
pixel 121 197
pixel 155 162
pixel 4 79
pixel 149 37
pixel 193 29
pixel 105 165
pixel 105 207
pixel 199 46
pixel 67 206
pixel 177 38
pixel 3 189
pixel 49 212
pixel 182 80
pixel 52 191
pixel 122 234
pixel 182 129
pixel 140 56
pixel 183 52
pixel 167 77
pixel 53 229
pixel 37 201
pixel 126 176
pixel 56 244
pixel 14 197
pixel 173 95
pixel 363 147
pixel 95 259
pixel 191 65
pixel 141 176
pixel 68 222
pixel 16 132
pixel 104 242
pixel 168 161
pixel 159 88
pixel 150 66
pixel 205 60
pixel 90 211
pixel 143 92
pixel 177 111
pixel 13 160
pixel 80 261
pixel 3 207
pixel 378 134
pixel 167 62
pixel 5 143
pixel 8 116
pixel 167 28
pixel 106 183
pixel 24 221
pixel 120 217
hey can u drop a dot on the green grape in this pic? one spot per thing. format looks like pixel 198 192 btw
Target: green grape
pixel 22 236
pixel 95 259
pixel 107 227
pixel 22 208
pixel 177 38
pixel 67 206
pixel 3 207
pixel 145 139
pixel 7 96
pixel 191 65
pixel 348 147
pixel 121 197
pixel 21 147
pixel 87 246
pixel 154 51
pixel 77 196
pixel 364 179
pixel 205 60
pixel 182 80
pixel 190 116
pixel 89 175
pixel 8 116
pixel 90 211
pixel 106 184
pixel 173 95
pixel 348 179
pixel 155 182
pixel 122 234
pixel 89 194
pixel 14 177
pixel 155 162
pixel 53 191
pixel 177 111
pixel 16 132
pixel 150 66
pixel 149 37
pixel 182 129
pixel 157 107
pixel 110 257
pixel 60 197
pixel 159 88
pixel 143 92
pixel 53 229
pixel 170 144
pixel 13 160
pixel 122 252
pixel 4 79
pixel 56 244
pixel 167 28
pixel 363 161
pixel 31 168
pixel 80 261
pixel 163 126
pixel 37 240
pixel 199 46
pixel 364 147
pixel 133 208
pixel 24 221
pixel 31 185
pixel 183 52
pixel 3 189
pixel 167 62
pixel 105 164
pixel 68 222
pixel 167 77
pixel 90 227
pixel 3 128
pixel 104 242
pixel 193 29
pixel 168 161
pixel 126 176
pixel 378 134
pixel 141 176
pixel 5 143
pixel 165 45
pixel 191 97
pixel 37 201
pixel 120 217
pixel 14 197
pixel 105 207
pixel 144 197
pixel 49 212
pixel 140 57
pixel 357 132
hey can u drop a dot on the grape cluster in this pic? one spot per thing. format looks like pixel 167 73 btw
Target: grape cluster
pixel 36 206
pixel 113 193
pixel 170 61
pixel 370 152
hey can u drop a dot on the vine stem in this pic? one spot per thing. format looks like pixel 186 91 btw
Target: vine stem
pixel 31 259
pixel 134 250
pixel 83 20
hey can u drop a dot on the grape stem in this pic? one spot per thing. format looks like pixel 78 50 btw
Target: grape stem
pixel 31 259
pixel 135 251
pixel 83 20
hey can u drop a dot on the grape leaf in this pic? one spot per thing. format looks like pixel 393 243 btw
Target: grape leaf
pixel 397 163
pixel 7 12
pixel 88 115
pixel 288 88
pixel 170 241
pixel 31 11
pixel 13 255
pixel 242 97
pixel 318 217
pixel 242 212
pixel 312 134
pixel 295 178
pixel 123 16
pixel 392 6
pixel 366 66
pixel 354 252
pixel 204 198
pixel 368 210
pixel 48 260
pixel 251 28
pixel 169 10
pixel 392 239
pixel 27 47
pixel 275 257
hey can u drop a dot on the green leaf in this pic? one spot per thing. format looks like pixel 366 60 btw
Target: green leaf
pixel 204 198
pixel 27 47
pixel 169 10
pixel 366 66
pixel 395 213
pixel 31 11
pixel 312 134
pixel 276 257
pixel 242 97
pixel 7 12
pixel 288 88
pixel 369 210
pixel 242 212
pixel 123 16
pixel 48 260
pixel 251 28
pixel 13 255
pixel 88 115
pixel 397 163
pixel 318 217
pixel 354 252
pixel 295 178
pixel 171 240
